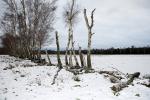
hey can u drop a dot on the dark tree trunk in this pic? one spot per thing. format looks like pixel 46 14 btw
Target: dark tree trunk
pixel 58 51
pixel 49 60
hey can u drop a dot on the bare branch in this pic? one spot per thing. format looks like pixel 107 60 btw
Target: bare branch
pixel 70 13
pixel 92 18
pixel 86 19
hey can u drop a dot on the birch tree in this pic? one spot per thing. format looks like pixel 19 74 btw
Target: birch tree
pixel 90 33
pixel 70 14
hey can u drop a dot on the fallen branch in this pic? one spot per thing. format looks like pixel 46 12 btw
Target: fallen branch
pixel 147 76
pixel 146 84
pixel 133 76
pixel 118 87
pixel 76 71
pixel 114 79
pixel 55 76
pixel 120 72
pixel 145 81
pixel 112 73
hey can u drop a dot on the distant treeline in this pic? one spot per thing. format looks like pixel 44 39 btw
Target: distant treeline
pixel 129 50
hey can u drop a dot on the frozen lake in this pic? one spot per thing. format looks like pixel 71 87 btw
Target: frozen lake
pixel 125 63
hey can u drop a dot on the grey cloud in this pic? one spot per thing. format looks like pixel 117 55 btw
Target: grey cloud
pixel 118 23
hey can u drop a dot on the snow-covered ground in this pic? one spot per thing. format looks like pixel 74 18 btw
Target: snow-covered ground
pixel 23 80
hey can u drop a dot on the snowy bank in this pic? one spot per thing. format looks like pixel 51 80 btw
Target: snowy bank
pixel 27 81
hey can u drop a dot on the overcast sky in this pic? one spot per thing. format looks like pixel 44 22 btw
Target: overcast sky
pixel 118 23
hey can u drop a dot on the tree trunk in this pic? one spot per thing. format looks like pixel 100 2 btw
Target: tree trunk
pixel 82 59
pixel 70 59
pixel 66 57
pixel 58 51
pixel 49 60
pixel 75 57
pixel 89 65
pixel 89 27
pixel 68 44
pixel 118 87
pixel 39 53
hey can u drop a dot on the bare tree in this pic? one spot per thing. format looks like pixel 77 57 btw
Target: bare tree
pixel 58 59
pixel 70 16
pixel 30 22
pixel 8 25
pixel 58 51
pixel 90 33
